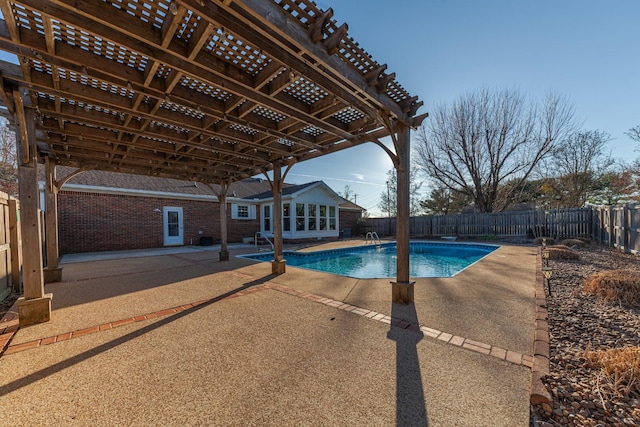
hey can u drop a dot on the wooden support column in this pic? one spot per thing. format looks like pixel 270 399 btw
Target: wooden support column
pixel 402 288
pixel 53 272
pixel 278 264
pixel 222 200
pixel 35 306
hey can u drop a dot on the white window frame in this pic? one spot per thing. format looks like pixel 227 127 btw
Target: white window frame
pixel 286 219
pixel 266 218
pixel 333 217
pixel 251 210
pixel 312 221
pixel 323 218
pixel 303 217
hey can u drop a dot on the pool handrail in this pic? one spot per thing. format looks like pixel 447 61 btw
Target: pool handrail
pixel 259 234
pixel 374 238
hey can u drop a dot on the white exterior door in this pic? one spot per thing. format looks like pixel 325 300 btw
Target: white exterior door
pixel 173 229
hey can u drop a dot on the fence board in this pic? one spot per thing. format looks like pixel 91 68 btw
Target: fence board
pixel 616 226
pixel 5 248
pixel 558 223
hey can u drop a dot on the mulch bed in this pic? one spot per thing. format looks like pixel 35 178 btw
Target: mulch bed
pixel 582 395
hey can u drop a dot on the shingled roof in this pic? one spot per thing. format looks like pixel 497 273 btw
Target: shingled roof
pixel 250 189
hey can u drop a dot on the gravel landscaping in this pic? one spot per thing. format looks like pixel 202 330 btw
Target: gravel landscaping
pixel 6 304
pixel 582 395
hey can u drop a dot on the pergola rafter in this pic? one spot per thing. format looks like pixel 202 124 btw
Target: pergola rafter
pixel 204 90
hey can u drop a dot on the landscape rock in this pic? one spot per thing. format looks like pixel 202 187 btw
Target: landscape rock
pixel 577 322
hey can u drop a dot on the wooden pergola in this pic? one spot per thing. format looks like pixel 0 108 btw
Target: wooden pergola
pixel 212 91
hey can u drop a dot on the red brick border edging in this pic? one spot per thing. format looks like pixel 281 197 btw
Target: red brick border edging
pixel 539 393
pixel 9 332
pixel 535 362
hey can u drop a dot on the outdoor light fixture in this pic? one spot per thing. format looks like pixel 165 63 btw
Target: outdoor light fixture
pixel 545 257
pixel 544 242
pixel 548 273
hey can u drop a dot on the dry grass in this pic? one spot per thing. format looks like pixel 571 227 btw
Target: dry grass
pixel 562 252
pixel 615 286
pixel 574 242
pixel 620 368
pixel 549 241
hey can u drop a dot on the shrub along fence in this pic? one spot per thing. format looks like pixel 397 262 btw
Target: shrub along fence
pixel 617 226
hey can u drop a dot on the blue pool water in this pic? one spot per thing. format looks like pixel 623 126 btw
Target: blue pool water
pixel 426 259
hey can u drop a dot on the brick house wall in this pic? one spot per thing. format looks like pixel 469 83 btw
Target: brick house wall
pixel 93 222
pixel 349 219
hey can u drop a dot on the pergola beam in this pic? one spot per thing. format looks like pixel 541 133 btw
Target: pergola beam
pixel 114 25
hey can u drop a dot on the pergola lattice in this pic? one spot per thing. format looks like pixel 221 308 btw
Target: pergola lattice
pixel 206 90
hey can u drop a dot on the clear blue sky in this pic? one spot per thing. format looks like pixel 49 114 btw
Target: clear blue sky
pixel 441 49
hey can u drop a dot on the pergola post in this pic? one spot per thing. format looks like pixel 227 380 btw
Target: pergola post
pixel 35 306
pixel 402 288
pixel 53 272
pixel 222 200
pixel 278 264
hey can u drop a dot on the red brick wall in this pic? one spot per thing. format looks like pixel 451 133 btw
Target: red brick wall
pixel 349 219
pixel 90 222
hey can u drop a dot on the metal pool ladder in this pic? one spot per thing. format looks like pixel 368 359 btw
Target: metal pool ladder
pixel 255 240
pixel 373 236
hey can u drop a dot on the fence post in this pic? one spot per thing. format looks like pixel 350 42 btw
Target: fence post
pixel 15 242
pixel 601 225
pixel 626 231
pixel 610 225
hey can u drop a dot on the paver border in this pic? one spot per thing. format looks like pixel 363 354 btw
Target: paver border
pixel 509 356
pixel 541 353
pixel 538 362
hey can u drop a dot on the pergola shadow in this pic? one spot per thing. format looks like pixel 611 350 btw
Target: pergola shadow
pixel 88 354
pixel 410 401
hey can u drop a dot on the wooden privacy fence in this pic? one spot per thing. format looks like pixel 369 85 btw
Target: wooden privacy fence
pixel 618 226
pixel 9 246
pixel 556 223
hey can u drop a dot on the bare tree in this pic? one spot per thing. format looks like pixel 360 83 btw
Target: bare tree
pixel 488 138
pixel 388 198
pixel 346 194
pixel 8 161
pixel 579 160
pixel 634 133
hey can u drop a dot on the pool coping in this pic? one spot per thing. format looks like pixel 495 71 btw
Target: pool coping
pixel 367 248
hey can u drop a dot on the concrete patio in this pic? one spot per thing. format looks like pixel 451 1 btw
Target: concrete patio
pixel 177 337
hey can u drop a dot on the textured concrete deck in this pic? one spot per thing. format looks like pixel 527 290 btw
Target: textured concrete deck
pixel 182 338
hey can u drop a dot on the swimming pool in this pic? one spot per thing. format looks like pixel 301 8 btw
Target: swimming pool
pixel 426 259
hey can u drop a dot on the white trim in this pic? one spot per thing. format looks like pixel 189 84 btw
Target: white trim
pixel 296 194
pixel 172 240
pixel 251 208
